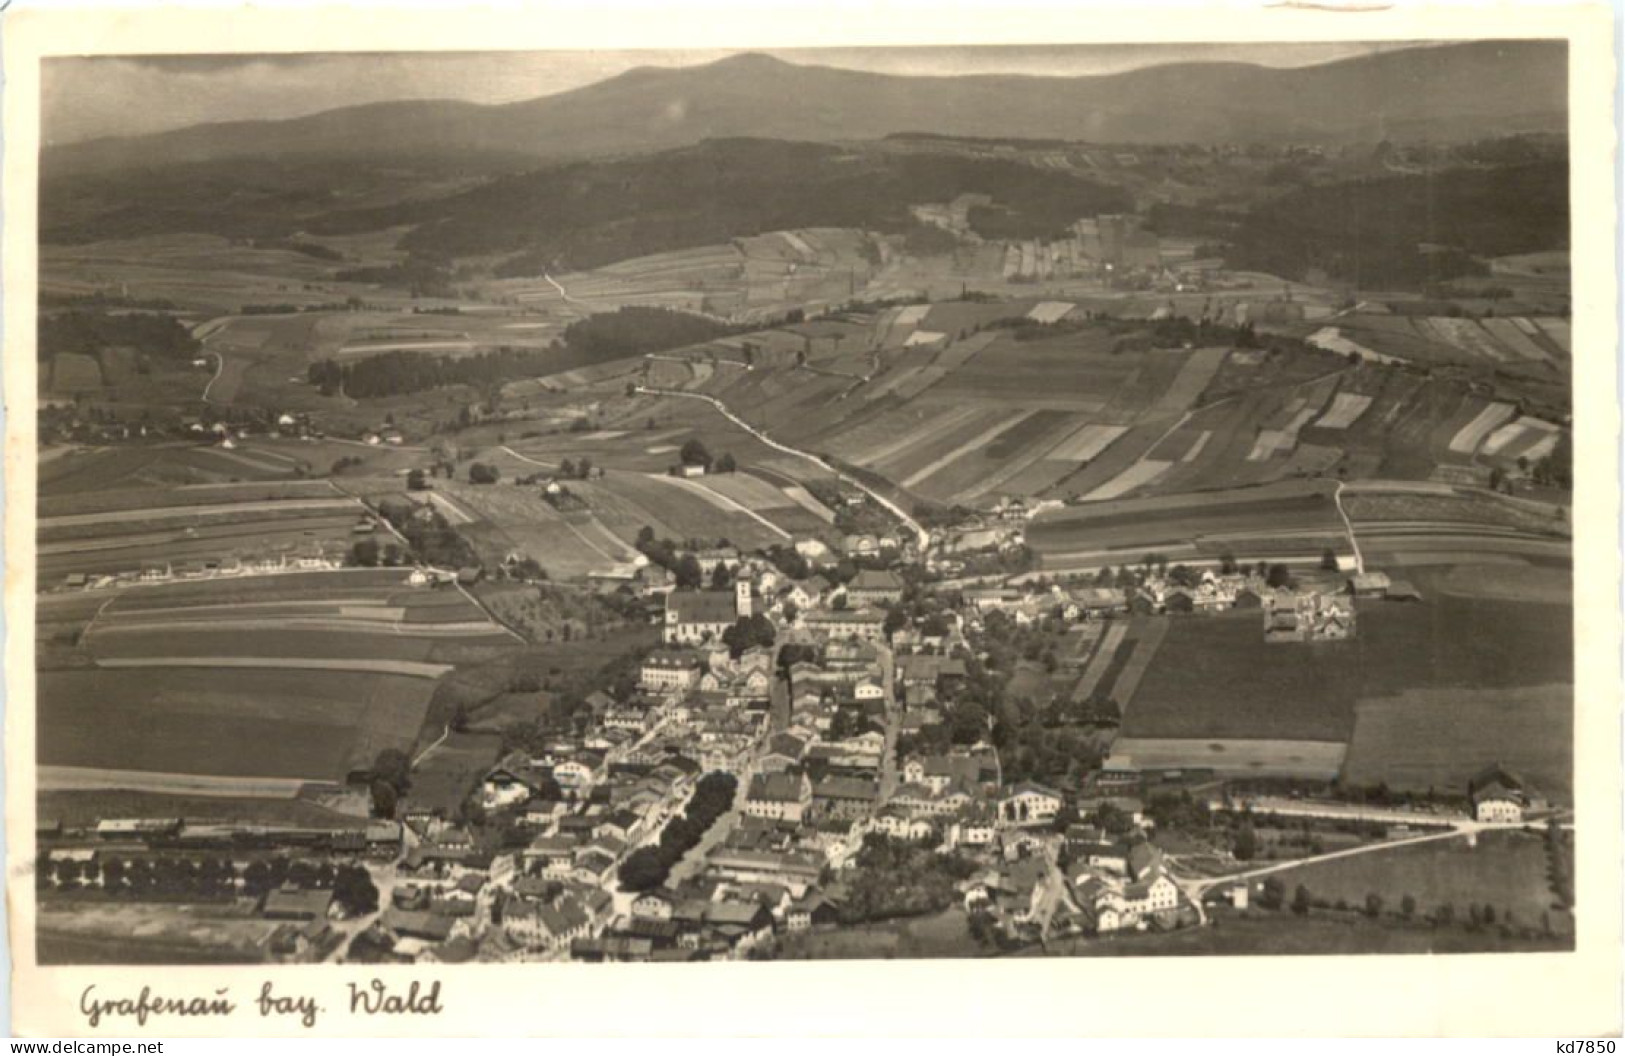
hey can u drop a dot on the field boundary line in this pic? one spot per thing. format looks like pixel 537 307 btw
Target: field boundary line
pixel 714 497
pixel 490 615
pixel 914 526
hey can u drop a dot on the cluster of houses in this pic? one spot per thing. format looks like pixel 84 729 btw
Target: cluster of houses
pixel 1153 594
pixel 1087 882
pixel 312 556
pixel 1307 616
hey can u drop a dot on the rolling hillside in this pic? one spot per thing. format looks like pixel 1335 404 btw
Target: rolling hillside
pixel 1450 92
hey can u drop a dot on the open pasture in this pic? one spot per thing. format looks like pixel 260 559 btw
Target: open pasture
pixel 253 723
pixel 72 373
pixel 132 469
pixel 206 645
pixel 119 501
pixel 1216 677
pixel 1439 738
pixel 1506 870
pixel 631 500
pixel 1235 757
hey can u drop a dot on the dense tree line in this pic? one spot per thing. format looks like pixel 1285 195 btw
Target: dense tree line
pixel 1405 232
pixel 635 331
pixel 593 213
pixel 90 332
pixel 167 878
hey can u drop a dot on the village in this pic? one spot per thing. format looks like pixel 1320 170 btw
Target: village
pixel 796 759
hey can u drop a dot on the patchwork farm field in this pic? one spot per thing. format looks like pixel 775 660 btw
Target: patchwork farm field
pixel 1441 661
pixel 126 470
pixel 123 530
pixel 321 618
pixel 1270 519
pixel 143 500
pixel 1439 738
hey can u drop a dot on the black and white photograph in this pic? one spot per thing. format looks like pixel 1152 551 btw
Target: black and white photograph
pixel 994 502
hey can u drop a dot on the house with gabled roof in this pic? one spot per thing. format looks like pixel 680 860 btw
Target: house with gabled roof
pixel 1029 803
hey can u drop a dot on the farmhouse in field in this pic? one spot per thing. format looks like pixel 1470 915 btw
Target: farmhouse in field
pixel 1501 797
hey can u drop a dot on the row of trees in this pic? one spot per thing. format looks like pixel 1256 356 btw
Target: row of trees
pixel 647 867
pixel 176 878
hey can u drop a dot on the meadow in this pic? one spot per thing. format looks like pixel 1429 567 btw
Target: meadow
pixel 1443 664
pixel 1507 870
pixel 262 722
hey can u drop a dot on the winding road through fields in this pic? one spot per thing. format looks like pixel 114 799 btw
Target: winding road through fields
pixel 1348 525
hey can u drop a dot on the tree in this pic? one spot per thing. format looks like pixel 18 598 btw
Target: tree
pixel 1407 906
pixel 688 572
pixel 721 577
pixel 1246 845
pixel 393 766
pixel 480 473
pixel 725 464
pixel 1301 900
pixel 384 798
pixel 416 481
pixel 748 631
pixel 1274 893
pixel 365 553
pixel 354 890
pixel 1328 560
pixel 1279 576
pixel 693 453
pixel 790 612
pixel 1227 563
pixel 1373 905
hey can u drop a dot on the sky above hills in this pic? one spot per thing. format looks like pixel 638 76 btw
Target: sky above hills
pixel 85 98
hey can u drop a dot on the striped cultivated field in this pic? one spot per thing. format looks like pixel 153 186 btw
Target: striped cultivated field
pixel 1087 443
pixel 1138 475
pixel 1467 440
pixel 1345 410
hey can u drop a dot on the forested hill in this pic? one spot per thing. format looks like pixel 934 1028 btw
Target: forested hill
pixel 590 214
pixel 1402 232
pixel 1442 93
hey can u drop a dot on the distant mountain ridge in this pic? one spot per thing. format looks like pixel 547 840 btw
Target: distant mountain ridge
pixel 1441 92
